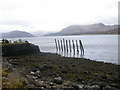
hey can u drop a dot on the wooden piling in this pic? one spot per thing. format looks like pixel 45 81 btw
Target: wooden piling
pixel 81 47
pixel 61 45
pixel 73 46
pixel 56 45
pixel 70 46
pixel 67 46
pixel 64 45
pixel 77 46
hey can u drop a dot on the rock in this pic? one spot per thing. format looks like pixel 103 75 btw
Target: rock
pixel 14 65
pixel 109 88
pixel 31 77
pixel 77 86
pixel 79 80
pixel 34 70
pixel 45 66
pixel 37 73
pixel 64 71
pixel 115 85
pixel 39 83
pixel 51 84
pixel 96 74
pixel 96 87
pixel 115 79
pixel 58 80
pixel 104 77
pixel 32 73
pixel 41 68
pixel 31 86
pixel 73 65
pixel 87 87
pixel 86 72
pixel 101 85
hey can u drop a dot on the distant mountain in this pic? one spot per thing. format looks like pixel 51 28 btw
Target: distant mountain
pixel 16 34
pixel 39 33
pixel 54 34
pixel 114 31
pixel 99 28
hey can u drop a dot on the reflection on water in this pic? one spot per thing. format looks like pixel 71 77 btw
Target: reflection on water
pixel 97 47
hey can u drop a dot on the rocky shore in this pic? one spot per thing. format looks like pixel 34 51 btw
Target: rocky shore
pixel 51 71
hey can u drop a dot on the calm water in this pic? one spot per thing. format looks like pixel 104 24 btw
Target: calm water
pixel 97 47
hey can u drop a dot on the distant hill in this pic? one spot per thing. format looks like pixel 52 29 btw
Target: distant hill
pixel 114 31
pixel 39 33
pixel 99 28
pixel 16 34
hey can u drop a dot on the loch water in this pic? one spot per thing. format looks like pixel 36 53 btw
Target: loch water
pixel 97 47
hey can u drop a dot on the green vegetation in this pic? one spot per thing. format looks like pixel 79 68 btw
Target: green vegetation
pixel 12 80
pixel 13 43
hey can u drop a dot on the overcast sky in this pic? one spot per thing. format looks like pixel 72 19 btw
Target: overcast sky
pixel 53 15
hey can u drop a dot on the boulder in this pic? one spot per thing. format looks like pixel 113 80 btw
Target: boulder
pixel 58 80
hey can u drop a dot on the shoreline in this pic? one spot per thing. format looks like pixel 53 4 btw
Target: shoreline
pixel 46 70
pixel 90 59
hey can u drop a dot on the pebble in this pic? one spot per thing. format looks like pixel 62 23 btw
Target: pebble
pixel 32 73
pixel 79 80
pixel 109 88
pixel 32 77
pixel 39 83
pixel 77 86
pixel 96 87
pixel 86 72
pixel 58 80
pixel 87 87
pixel 64 71
pixel 101 85
pixel 51 84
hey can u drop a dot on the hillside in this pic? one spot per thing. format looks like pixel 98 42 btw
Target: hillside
pixel 87 29
pixel 114 31
pixel 16 34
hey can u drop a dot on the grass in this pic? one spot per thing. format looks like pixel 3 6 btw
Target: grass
pixel 13 43
pixel 12 80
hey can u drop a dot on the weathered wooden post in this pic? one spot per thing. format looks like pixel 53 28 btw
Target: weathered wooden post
pixel 56 45
pixel 61 45
pixel 77 46
pixel 81 47
pixel 64 45
pixel 73 46
pixel 70 46
pixel 67 46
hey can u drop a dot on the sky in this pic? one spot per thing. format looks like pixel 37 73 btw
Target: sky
pixel 54 15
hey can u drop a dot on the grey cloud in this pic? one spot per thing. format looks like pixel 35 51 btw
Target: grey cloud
pixel 15 22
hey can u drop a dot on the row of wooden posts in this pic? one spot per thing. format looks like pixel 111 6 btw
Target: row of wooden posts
pixel 69 46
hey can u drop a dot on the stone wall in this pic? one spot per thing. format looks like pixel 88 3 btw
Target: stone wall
pixel 19 49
